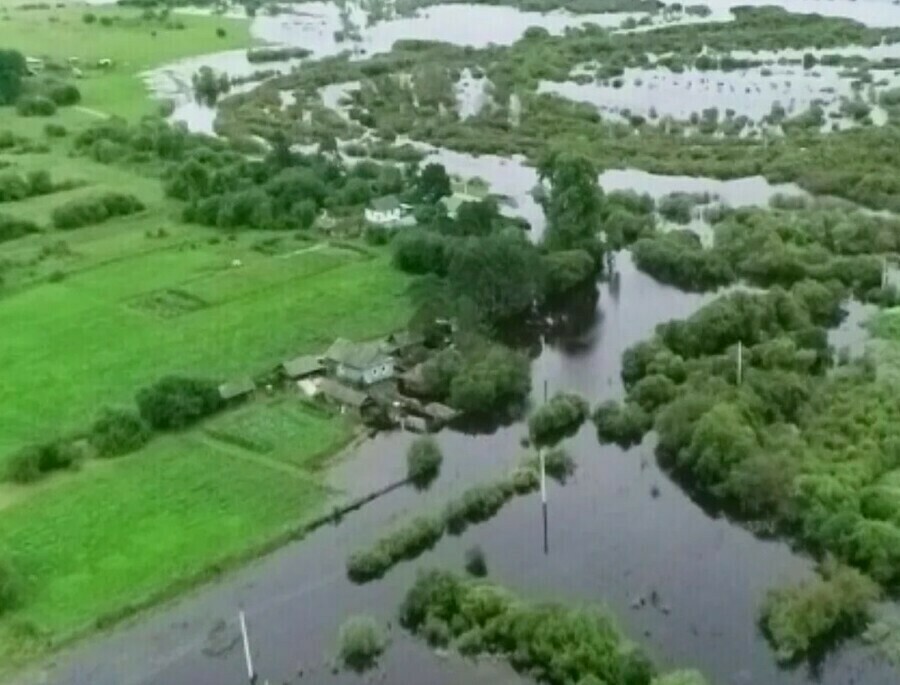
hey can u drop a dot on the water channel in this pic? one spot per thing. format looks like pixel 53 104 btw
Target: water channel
pixel 619 530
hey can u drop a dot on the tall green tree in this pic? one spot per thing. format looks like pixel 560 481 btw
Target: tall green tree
pixel 573 206
pixel 12 69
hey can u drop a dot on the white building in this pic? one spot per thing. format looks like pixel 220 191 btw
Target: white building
pixel 384 211
pixel 360 363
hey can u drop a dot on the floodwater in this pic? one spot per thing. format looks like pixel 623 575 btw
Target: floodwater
pixel 751 93
pixel 619 531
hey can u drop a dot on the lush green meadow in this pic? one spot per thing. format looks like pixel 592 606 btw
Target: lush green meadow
pixel 133 45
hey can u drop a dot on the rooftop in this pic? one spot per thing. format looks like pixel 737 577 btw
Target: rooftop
pixel 236 388
pixel 343 394
pixel 357 355
pixel 301 366
pixel 388 203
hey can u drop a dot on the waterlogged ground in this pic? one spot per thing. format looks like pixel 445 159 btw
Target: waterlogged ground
pixel 620 531
pixel 750 93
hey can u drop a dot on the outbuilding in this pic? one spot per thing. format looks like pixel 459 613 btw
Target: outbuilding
pixel 302 367
pixel 236 390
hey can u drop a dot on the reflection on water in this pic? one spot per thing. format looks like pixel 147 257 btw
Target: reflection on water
pixel 619 531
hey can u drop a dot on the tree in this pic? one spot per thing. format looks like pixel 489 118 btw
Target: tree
pixel 361 642
pixel 12 70
pixel 175 401
pixel 118 432
pixel 433 183
pixel 566 270
pixel 491 381
pixel 574 205
pixel 423 462
pixel 562 416
pixel 500 275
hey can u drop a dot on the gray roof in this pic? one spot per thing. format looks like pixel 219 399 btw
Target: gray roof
pixel 404 339
pixel 357 355
pixel 236 388
pixel 343 394
pixel 388 203
pixel 302 366
pixel 440 411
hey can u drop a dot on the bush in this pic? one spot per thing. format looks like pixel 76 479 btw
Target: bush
pixel 118 432
pixel 798 619
pixel 477 504
pixel 89 18
pixel 406 542
pixel 624 424
pixel 423 462
pixel 94 210
pixel 10 587
pixel 64 94
pixel 475 562
pixel 559 418
pixel 175 402
pixel 35 106
pixel 360 643
pixel 35 461
pixel 12 227
pixel 494 381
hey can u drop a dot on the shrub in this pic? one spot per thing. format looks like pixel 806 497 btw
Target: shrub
pixel 12 227
pixel 360 643
pixel 24 466
pixel 475 562
pixel 798 619
pixel 118 432
pixel 35 106
pixel 561 417
pixel 64 94
pixel 624 424
pixel 423 462
pixel 35 461
pixel 94 210
pixel 175 402
pixel 10 587
pixel 89 18
pixel 477 504
pixel 406 542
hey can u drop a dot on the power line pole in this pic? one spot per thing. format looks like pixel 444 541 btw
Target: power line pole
pixel 251 674
pixel 544 487
pixel 740 362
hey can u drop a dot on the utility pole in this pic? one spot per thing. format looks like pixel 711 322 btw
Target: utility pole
pixel 740 362
pixel 884 272
pixel 251 674
pixel 544 487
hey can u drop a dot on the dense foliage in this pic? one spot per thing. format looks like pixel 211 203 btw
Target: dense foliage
pixel 559 418
pixel 423 462
pixel 12 71
pixel 551 643
pixel 361 642
pixel 117 432
pixel 803 617
pixel 175 402
pixel 86 211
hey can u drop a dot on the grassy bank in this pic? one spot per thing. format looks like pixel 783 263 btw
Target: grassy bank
pixel 132 44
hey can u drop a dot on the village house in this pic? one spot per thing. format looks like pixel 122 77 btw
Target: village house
pixel 359 363
pixel 348 399
pixel 384 211
pixel 302 367
pixel 236 390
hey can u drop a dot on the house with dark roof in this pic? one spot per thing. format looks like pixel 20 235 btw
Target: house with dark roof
pixel 302 367
pixel 360 363
pixel 237 389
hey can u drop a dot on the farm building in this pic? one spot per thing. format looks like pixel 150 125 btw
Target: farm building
pixel 360 363
pixel 347 398
pixel 237 389
pixel 302 367
pixel 384 211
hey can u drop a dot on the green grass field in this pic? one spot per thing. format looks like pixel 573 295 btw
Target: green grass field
pixel 123 532
pixel 61 33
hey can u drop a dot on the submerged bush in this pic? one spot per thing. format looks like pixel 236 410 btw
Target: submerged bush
pixel 559 418
pixel 622 423
pixel 361 642
pixel 423 462
pixel 800 618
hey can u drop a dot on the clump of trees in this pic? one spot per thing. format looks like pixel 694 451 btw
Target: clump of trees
pixel 553 642
pixel 423 462
pixel 258 55
pixel 559 418
pixel 208 85
pixel 12 70
pixel 361 641
pixel 800 619
pixel 15 186
pixel 35 106
pixel 86 211
pixel 33 462
pixel 476 505
pixel 12 227
pixel 176 402
pixel 118 431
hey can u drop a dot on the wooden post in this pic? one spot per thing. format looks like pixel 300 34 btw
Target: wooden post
pixel 251 674
pixel 740 362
